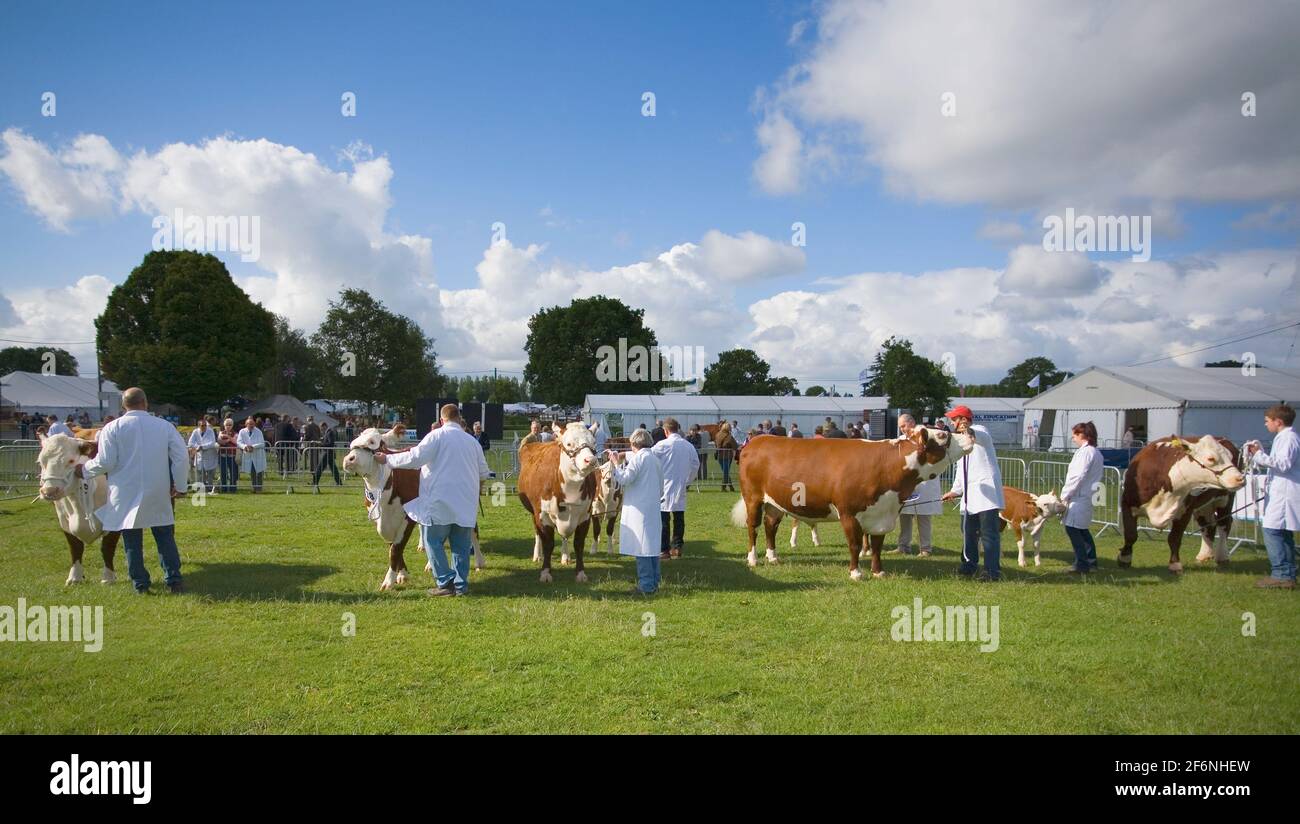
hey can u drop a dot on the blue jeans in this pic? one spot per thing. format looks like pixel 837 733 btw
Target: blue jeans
pixel 168 555
pixel 647 573
pixel 1085 548
pixel 462 546
pixel 229 472
pixel 1280 544
pixel 726 471
pixel 981 527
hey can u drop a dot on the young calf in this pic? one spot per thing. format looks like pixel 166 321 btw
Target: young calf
pixel 606 507
pixel 1028 512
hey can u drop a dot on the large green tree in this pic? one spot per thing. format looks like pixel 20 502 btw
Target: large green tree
pixel 1016 383
pixel 180 328
pixel 32 359
pixel 743 372
pixel 486 389
pixel 911 381
pixel 575 351
pixel 295 368
pixel 371 354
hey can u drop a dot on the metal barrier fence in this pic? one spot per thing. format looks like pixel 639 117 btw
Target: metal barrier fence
pixel 1049 476
pixel 19 475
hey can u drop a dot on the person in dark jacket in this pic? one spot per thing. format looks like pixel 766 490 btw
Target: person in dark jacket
pixel 482 437
pixel 658 433
pixel 328 439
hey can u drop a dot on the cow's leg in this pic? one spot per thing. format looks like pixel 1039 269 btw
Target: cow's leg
pixel 1222 529
pixel 1176 530
pixel 753 512
pixel 107 549
pixel 564 550
pixel 1207 538
pixel 580 538
pixel 852 534
pixel 75 575
pixel 771 522
pixel 546 536
pixel 794 531
pixel 479 561
pixel 396 573
pixel 610 533
pixel 1038 536
pixel 537 546
pixel 877 544
pixel 1128 517
pixel 812 528
pixel 1020 542
pixel 595 534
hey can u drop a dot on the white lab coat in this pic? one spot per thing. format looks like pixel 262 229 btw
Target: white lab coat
pixel 978 479
pixel 1085 471
pixel 927 495
pixel 60 428
pixel 1282 494
pixel 205 458
pixel 641 478
pixel 254 461
pixel 680 463
pixel 451 468
pixel 144 459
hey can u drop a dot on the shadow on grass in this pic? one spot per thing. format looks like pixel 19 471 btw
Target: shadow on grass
pixel 254 582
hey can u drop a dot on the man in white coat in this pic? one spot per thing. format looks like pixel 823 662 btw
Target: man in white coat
pixel 252 452
pixel 452 468
pixel 641 478
pixel 680 463
pixel 57 427
pixel 978 482
pixel 146 464
pixel 1281 495
pixel 925 503
pixel 203 451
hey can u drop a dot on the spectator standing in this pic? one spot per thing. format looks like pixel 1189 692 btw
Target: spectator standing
pixel 228 455
pixel 328 438
pixel 252 443
pixel 927 504
pixel 659 434
pixel 696 439
pixel 55 427
pixel 794 430
pixel 203 453
pixel 726 453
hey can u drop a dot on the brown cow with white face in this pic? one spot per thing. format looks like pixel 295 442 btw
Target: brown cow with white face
pixel 75 501
pixel 1171 480
pixel 557 484
pixel 861 484
pixel 1027 513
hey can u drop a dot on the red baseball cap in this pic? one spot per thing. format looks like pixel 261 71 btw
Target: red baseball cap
pixel 963 411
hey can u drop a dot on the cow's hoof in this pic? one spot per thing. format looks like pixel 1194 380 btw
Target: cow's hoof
pixel 1022 562
pixel 880 574
pixel 1124 561
pixel 546 576
pixel 109 577
pixel 1176 569
pixel 1204 557
pixel 390 578
pixel 480 565
pixel 75 575
pixel 772 559
pixel 1038 561
pixel 752 559
pixel 581 578
pixel 855 574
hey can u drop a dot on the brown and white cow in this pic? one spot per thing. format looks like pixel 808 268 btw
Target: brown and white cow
pixel 75 501
pixel 1174 478
pixel 387 491
pixel 605 508
pixel 861 484
pixel 1027 513
pixel 557 484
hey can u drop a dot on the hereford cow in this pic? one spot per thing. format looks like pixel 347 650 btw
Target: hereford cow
pixel 388 491
pixel 1028 513
pixel 557 484
pixel 605 508
pixel 861 484
pixel 1174 478
pixel 75 501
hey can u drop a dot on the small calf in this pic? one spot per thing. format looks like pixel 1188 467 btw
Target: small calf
pixel 605 508
pixel 1023 510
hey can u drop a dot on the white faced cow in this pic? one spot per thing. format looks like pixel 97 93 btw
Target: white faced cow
pixel 1027 513
pixel 557 484
pixel 387 491
pixel 75 501
pixel 605 509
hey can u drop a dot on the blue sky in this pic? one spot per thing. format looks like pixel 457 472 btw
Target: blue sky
pixel 530 115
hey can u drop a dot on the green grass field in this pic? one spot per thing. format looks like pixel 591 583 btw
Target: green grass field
pixel 256 645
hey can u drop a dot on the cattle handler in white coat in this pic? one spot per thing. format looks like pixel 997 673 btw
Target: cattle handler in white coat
pixel 680 463
pixel 203 451
pixel 1281 495
pixel 452 469
pixel 252 449
pixel 641 478
pixel 147 465
pixel 1081 482
pixel 926 505
pixel 978 482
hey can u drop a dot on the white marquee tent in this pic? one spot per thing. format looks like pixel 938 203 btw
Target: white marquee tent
pixel 623 413
pixel 1165 400
pixel 61 395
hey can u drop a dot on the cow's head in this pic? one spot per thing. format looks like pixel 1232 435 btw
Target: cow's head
pixel 577 451
pixel 361 455
pixel 936 450
pixel 1050 505
pixel 1207 464
pixel 605 486
pixel 58 458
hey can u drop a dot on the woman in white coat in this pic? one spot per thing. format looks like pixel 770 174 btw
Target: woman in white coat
pixel 641 478
pixel 203 452
pixel 1081 481
pixel 252 449
pixel 925 506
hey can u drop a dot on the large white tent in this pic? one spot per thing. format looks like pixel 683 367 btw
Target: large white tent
pixel 61 395
pixel 1165 400
pixel 623 413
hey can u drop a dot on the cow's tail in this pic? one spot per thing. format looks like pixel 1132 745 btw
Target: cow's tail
pixel 739 514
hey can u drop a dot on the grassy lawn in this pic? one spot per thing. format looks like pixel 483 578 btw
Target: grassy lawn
pixel 256 645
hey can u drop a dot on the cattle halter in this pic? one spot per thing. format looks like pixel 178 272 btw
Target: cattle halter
pixel 1183 445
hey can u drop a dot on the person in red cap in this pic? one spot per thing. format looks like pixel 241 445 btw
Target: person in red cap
pixel 978 482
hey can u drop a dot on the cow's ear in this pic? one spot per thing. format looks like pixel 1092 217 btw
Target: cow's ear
pixel 85 447
pixel 555 427
pixel 595 427
pixel 921 437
